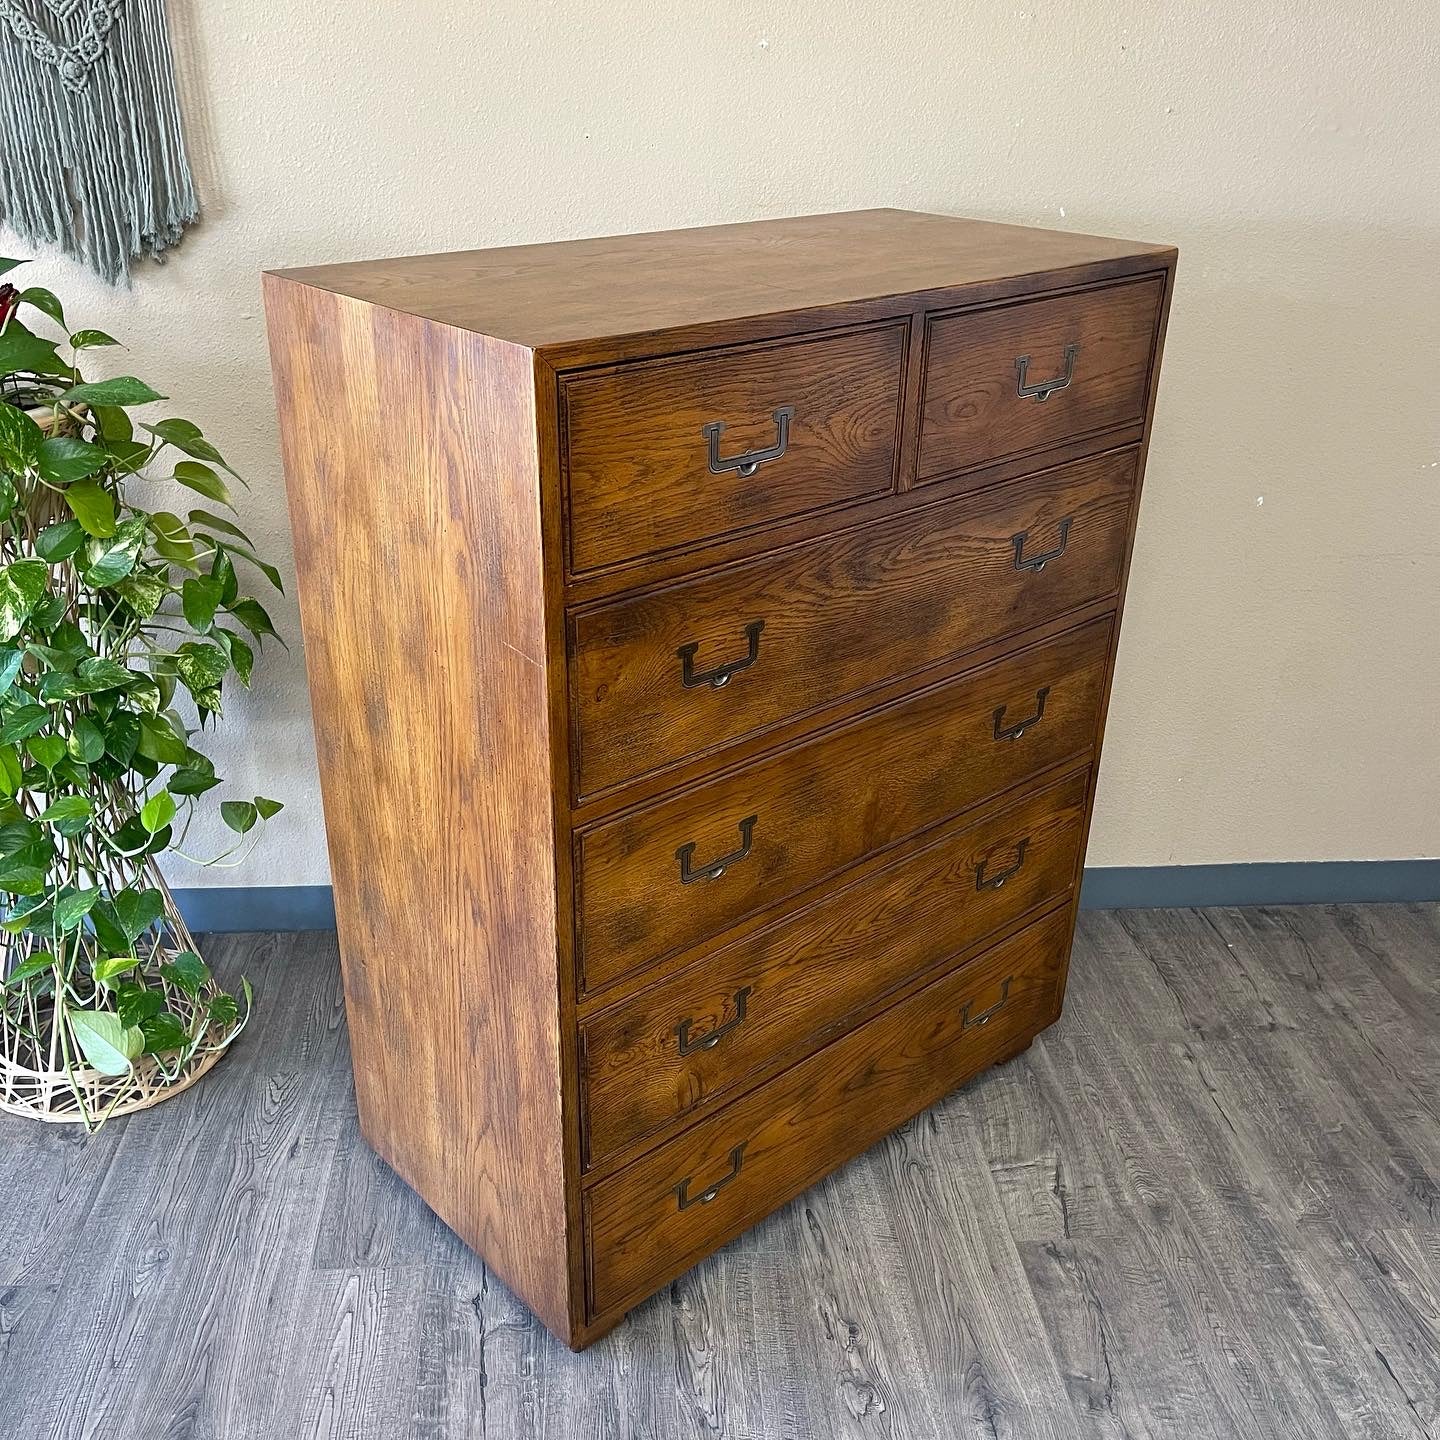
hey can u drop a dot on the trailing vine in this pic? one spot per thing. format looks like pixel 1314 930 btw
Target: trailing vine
pixel 120 626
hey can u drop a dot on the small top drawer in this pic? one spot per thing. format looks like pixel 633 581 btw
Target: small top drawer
pixel 666 453
pixel 1007 381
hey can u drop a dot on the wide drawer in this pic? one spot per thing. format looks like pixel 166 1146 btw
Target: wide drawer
pixel 670 452
pixel 655 1218
pixel 683 870
pixel 682 670
pixel 1014 379
pixel 657 1056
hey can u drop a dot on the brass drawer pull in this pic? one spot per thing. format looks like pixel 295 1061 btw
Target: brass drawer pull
pixel 750 461
pixel 967 1019
pixel 716 868
pixel 1039 562
pixel 1043 389
pixel 713 1037
pixel 1000 877
pixel 691 678
pixel 1015 731
pixel 682 1190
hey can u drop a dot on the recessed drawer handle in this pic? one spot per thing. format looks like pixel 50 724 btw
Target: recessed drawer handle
pixel 1015 731
pixel 712 1038
pixel 1039 562
pixel 716 868
pixel 1001 876
pixel 967 1019
pixel 1043 389
pixel 682 1190
pixel 748 463
pixel 691 678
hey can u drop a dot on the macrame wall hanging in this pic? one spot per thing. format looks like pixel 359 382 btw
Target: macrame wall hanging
pixel 92 158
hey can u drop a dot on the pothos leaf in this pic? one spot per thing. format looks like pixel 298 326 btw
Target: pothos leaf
pixel 135 1004
pixel 165 1031
pixel 89 678
pixel 157 812
pixel 20 436
pixel 46 750
pixel 143 591
pixel 199 599
pixel 108 1046
pixel 223 1009
pixel 187 970
pixel 93 507
pixel 239 815
pixel 203 480
pixel 123 390
pixel 137 910
pixel 60 541
pixel 185 436
pixel 46 301
pixel 73 906
pixel 242 657
pixel 29 968
pixel 122 734
pixel 10 770
pixel 86 742
pixel 112 967
pixel 20 350
pixel 22 721
pixel 201 666
pixel 158 741
pixel 266 569
pixel 62 459
pixel 112 559
pixel 22 583
pixel 252 615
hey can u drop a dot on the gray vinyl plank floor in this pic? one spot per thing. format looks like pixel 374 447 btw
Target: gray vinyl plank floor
pixel 1206 1203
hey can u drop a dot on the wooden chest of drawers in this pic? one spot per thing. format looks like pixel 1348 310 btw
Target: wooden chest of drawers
pixel 709 636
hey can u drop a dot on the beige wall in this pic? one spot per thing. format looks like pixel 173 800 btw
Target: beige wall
pixel 1278 687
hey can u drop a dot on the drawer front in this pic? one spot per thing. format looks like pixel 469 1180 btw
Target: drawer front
pixel 657 1217
pixel 1004 382
pixel 654 1058
pixel 679 671
pixel 670 452
pixel 683 870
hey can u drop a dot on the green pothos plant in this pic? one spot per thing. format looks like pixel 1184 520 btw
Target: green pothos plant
pixel 120 626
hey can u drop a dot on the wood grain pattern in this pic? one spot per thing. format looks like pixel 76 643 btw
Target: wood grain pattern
pixel 840 614
pixel 594 289
pixel 825 804
pixel 515 602
pixel 803 974
pixel 781 1137
pixel 973 412
pixel 637 458
pixel 419 557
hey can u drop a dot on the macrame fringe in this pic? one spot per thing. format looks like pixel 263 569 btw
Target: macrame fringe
pixel 98 168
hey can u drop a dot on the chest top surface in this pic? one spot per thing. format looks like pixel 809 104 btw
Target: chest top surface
pixel 576 290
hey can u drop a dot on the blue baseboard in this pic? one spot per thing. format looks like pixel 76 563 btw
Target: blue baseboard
pixel 1140 887
pixel 257 907
pixel 1301 882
